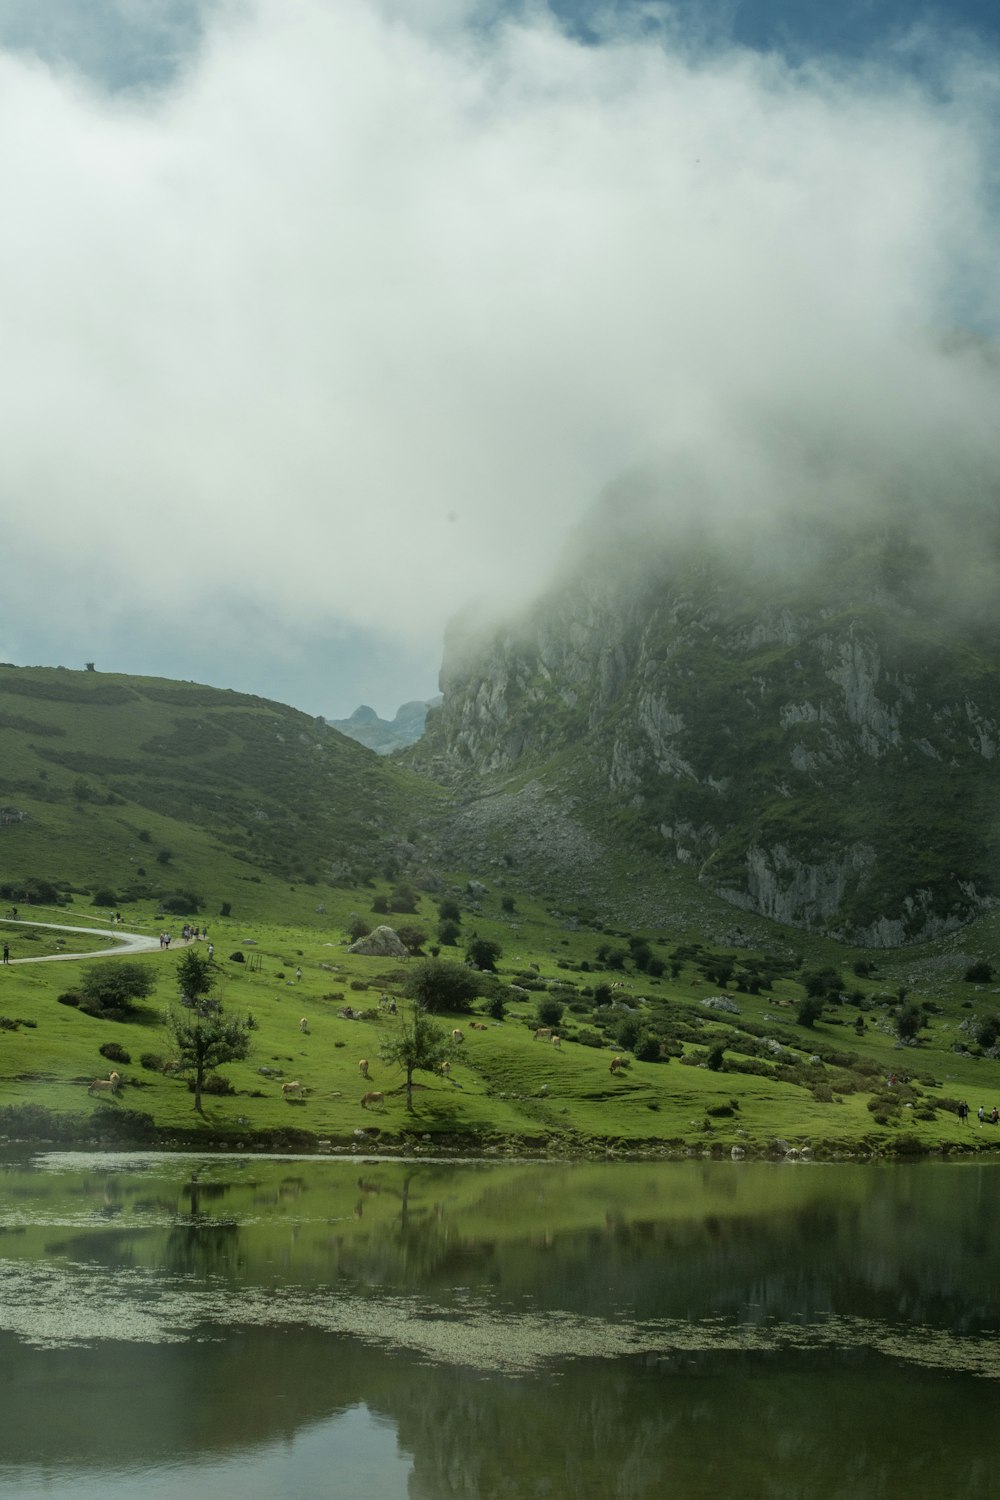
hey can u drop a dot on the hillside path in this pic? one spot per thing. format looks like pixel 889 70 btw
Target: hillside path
pixel 121 942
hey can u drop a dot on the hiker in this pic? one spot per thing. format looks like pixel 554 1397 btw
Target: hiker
pixel 6 953
pixel 982 1116
pixel 963 1113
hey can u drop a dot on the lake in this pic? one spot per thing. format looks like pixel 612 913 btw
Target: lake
pixel 256 1326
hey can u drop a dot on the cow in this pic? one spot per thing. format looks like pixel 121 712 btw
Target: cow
pixel 617 1064
pixel 376 1096
pixel 556 1040
pixel 363 1067
pixel 106 1085
pixel 457 1035
pixel 478 1026
pixel 444 1067
pixel 543 1033
pixel 304 1026
pixel 291 1088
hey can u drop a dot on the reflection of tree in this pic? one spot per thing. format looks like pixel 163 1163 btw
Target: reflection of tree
pixel 203 1246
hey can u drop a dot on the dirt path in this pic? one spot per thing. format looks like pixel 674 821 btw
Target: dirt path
pixel 121 942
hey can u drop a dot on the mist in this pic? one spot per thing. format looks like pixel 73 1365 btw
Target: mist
pixel 343 320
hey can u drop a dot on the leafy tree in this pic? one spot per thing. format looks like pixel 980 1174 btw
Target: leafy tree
pixel 495 1007
pixel 449 911
pixel 357 927
pixel 412 938
pixel 380 906
pixel 716 1057
pixel 448 934
pixel 909 1021
pixel 987 1031
pixel 603 994
pixel 508 904
pixel 206 1037
pixel 418 1045
pixel 809 1011
pixel 823 981
pixel 549 1012
pixel 647 1048
pixel 116 986
pixel 483 953
pixel 627 1034
pixel 439 985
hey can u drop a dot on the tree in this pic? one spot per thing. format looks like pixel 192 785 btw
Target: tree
pixel 116 986
pixel 412 937
pixel 357 927
pixel 449 911
pixel 418 1045
pixel 205 1036
pixel 483 953
pixel 809 1011
pixel 439 985
pixel 909 1021
pixel 448 933
pixel 549 1012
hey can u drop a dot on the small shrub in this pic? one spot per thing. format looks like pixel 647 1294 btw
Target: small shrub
pixel 237 958
pixel 114 1052
pixel 720 1111
pixel 152 1062
pixel 647 1048
pixel 495 1007
pixel 68 997
pixel 978 973
pixel 104 897
pixel 215 1083
pixel 359 984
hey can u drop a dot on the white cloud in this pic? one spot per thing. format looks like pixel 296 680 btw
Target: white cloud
pixel 354 320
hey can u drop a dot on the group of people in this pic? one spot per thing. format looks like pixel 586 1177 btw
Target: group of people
pixel 188 933
pixel 993 1117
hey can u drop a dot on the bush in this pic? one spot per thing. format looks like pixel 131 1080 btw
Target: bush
pixel 647 1048
pixel 448 934
pixel 152 1062
pixel 214 1083
pixel 588 1036
pixel 380 906
pixel 439 985
pixel 448 911
pixel 104 897
pixel 603 994
pixel 412 938
pixel 508 904
pixel 809 1010
pixel 112 989
pixel 495 1007
pixel 357 927
pixel 716 1057
pixel 237 958
pixel 68 997
pixel 549 1012
pixel 978 973
pixel 483 954
pixel 181 904
pixel 114 1052
pixel 720 1111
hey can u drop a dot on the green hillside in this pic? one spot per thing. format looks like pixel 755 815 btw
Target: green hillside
pixel 149 788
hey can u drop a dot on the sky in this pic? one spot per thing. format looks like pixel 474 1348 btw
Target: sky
pixel 326 320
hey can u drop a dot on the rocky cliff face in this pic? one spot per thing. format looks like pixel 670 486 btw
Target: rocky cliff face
pixel 818 742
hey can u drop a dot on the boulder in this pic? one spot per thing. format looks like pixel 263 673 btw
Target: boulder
pixel 382 943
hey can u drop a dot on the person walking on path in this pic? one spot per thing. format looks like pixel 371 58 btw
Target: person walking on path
pixel 6 953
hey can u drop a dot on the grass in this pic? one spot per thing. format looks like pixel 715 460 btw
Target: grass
pixel 506 1090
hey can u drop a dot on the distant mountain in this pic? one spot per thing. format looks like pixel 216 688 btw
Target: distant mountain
pixel 384 735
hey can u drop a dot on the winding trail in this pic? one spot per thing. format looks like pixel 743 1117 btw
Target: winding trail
pixel 121 942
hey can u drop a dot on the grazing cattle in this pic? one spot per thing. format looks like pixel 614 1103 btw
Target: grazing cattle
pixel 291 1088
pixel 617 1063
pixel 543 1033
pixel 457 1036
pixel 304 1025
pixel 363 1067
pixel 444 1067
pixel 556 1040
pixel 376 1096
pixel 105 1085
pixel 478 1026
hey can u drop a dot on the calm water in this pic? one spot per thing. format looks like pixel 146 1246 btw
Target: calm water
pixel 180 1325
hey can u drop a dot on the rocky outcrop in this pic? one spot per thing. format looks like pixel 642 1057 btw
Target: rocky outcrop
pixel 384 735
pixel 382 943
pixel 820 750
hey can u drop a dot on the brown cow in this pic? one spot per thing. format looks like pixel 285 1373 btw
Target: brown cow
pixel 617 1064
pixel 543 1033
pixel 444 1067
pixel 376 1096
pixel 291 1088
pixel 457 1035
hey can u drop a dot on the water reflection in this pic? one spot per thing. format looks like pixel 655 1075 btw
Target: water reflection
pixel 624 1331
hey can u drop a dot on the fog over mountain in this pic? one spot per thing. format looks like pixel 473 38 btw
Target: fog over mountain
pixel 322 321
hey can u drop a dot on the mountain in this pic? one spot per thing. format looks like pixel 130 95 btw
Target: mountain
pixel 805 714
pixel 143 785
pixel 385 735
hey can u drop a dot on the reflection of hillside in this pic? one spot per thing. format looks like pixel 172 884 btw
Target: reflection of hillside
pixel 692 1426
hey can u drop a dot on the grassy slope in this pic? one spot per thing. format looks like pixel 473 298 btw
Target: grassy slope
pixel 505 1087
